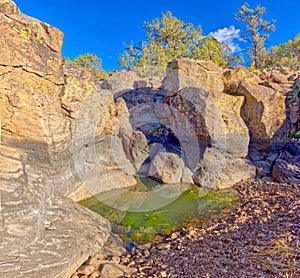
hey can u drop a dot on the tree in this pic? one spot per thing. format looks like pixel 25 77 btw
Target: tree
pixel 169 38
pixel 172 34
pixel 210 49
pixel 256 32
pixel 286 54
pixel 91 63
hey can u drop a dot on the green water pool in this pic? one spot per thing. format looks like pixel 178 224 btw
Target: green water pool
pixel 147 222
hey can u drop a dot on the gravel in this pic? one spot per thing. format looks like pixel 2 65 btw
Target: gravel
pixel 259 238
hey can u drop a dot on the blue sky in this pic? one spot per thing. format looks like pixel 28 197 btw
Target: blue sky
pixel 102 27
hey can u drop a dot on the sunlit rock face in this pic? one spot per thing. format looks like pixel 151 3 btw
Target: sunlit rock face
pixel 185 73
pixel 8 7
pixel 265 110
pixel 217 137
pixel 63 134
pixel 226 125
pixel 31 81
pixel 287 165
pixel 49 234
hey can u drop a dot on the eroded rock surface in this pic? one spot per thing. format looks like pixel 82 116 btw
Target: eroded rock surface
pixel 287 165
pixel 30 65
pixel 65 135
pixel 185 73
pixel 166 168
pixel 227 125
pixel 214 120
pixel 43 234
pixel 264 110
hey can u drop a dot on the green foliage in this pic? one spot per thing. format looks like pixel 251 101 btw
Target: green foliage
pixel 256 32
pixel 210 49
pixel 168 38
pixel 172 35
pixel 91 63
pixel 284 55
pixel 294 135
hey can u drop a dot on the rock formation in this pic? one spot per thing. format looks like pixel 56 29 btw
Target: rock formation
pixel 64 135
pixel 226 125
pixel 43 233
pixel 214 118
pixel 287 165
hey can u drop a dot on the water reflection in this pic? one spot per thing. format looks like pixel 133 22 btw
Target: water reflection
pixel 193 204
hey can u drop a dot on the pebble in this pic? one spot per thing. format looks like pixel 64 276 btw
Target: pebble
pixel 147 253
pixel 139 254
pixel 131 263
pixel 163 274
pixel 95 274
pixel 133 251
pixel 115 259
pixel 164 252
pixel 86 269
pixel 174 236
pixel 165 245
pixel 141 261
pixel 143 247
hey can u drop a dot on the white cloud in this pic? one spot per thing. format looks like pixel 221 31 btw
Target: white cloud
pixel 228 35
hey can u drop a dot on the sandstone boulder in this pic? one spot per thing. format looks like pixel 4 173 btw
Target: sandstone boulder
pixel 233 77
pixel 186 73
pixel 109 270
pixel 8 7
pixel 265 111
pixel 30 84
pixel 276 76
pixel 166 168
pixel 219 170
pixel 135 144
pixel 96 124
pixel 120 81
pixel 215 144
pixel 265 114
pixel 235 130
pixel 43 233
pixel 287 166
pixel 102 166
pixel 293 99
pixel 92 109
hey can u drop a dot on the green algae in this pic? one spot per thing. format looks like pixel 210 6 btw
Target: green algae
pixel 195 206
